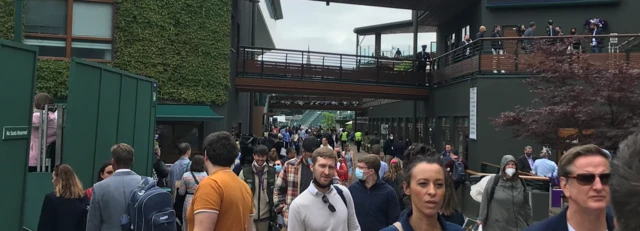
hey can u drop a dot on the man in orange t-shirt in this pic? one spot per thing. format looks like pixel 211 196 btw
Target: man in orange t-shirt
pixel 222 201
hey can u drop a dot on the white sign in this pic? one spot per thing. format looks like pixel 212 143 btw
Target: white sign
pixel 473 111
pixel 384 129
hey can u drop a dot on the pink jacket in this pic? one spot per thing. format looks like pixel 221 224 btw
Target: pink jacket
pixel 35 135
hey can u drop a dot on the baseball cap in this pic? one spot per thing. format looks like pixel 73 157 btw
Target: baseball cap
pixel 310 144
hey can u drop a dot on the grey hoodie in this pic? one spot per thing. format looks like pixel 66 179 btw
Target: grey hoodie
pixel 510 209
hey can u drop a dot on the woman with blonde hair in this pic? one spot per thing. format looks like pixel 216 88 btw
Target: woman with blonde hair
pixel 66 207
pixel 394 178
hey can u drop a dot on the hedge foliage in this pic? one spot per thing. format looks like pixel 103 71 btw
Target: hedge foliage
pixel 7 12
pixel 183 44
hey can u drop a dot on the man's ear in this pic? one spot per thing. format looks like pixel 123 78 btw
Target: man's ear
pixel 564 185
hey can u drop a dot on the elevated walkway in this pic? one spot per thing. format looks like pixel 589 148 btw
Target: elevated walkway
pixel 320 73
pixel 477 57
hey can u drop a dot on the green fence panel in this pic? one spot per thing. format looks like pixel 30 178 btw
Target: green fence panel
pixel 106 106
pixel 17 88
pixel 39 184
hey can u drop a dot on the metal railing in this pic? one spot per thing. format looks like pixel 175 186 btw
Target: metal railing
pixel 48 154
pixel 287 64
pixel 517 55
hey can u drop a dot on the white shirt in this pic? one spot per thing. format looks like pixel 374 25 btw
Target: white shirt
pixel 572 229
pixel 309 213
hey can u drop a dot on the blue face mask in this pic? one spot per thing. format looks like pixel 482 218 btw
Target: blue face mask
pixel 360 174
pixel 309 161
pixel 278 168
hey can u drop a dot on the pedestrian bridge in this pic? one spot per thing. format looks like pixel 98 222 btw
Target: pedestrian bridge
pixel 320 73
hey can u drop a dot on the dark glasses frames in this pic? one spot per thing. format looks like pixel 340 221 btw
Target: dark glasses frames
pixel 588 178
pixel 326 201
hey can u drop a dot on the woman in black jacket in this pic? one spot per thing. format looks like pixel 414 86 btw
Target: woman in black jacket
pixel 66 207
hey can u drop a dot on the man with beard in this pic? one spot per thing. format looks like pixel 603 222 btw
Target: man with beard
pixel 324 205
pixel 261 179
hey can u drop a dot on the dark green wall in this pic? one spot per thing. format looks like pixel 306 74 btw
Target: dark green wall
pixel 495 94
pixel 620 16
pixel 471 16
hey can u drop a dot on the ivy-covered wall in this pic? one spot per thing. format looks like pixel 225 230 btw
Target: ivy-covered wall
pixel 7 12
pixel 183 44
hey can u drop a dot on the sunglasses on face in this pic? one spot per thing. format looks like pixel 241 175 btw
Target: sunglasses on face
pixel 588 178
pixel 326 201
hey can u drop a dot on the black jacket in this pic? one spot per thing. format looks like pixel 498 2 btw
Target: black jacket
pixel 496 44
pixel 161 170
pixel 523 163
pixel 63 214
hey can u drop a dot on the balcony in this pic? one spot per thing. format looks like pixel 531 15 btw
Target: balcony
pixel 477 58
pixel 281 70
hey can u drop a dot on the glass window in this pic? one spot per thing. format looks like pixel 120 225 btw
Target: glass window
pixel 462 132
pixel 171 134
pixel 401 128
pixel 48 47
pixel 410 132
pixel 91 50
pixel 92 19
pixel 432 125
pixel 420 127
pixel 445 125
pixel 45 16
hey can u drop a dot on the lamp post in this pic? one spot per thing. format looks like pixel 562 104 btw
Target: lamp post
pixel 17 22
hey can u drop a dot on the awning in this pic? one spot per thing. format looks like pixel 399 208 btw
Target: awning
pixel 181 112
pixel 400 27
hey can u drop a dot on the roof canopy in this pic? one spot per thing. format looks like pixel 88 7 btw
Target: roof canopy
pixel 400 27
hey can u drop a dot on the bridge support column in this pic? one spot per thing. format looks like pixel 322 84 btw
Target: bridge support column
pixel 415 35
pixel 378 44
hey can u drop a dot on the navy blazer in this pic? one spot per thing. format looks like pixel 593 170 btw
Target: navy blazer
pixel 559 223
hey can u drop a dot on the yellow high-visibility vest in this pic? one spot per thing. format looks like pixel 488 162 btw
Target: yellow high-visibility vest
pixel 358 136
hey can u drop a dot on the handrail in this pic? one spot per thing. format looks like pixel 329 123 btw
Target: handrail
pixel 517 54
pixel 498 166
pixel 322 53
pixel 536 178
pixel 329 67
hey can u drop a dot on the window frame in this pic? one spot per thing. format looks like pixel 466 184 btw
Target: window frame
pixel 69 38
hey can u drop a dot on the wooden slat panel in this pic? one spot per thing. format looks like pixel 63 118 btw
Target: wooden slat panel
pixel 462 68
pixel 329 88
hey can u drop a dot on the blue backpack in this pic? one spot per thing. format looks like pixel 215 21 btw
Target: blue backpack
pixel 149 208
pixel 459 175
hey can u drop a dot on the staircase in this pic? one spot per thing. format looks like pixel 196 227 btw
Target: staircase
pixel 317 120
pixel 310 118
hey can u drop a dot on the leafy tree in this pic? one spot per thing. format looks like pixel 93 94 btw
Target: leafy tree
pixel 328 120
pixel 594 95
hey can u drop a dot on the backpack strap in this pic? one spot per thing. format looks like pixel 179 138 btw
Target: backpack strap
pixel 494 184
pixel 248 174
pixel 341 193
pixel 195 178
pixel 398 226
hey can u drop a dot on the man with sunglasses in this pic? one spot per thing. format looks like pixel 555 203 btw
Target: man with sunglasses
pixel 584 178
pixel 323 205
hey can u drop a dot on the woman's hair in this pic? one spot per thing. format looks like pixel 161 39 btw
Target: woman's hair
pixel 273 155
pixel 66 184
pixel 101 170
pixel 41 100
pixel 395 170
pixel 418 154
pixel 450 204
pixel 197 164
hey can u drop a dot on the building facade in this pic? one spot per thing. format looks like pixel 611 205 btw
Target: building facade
pixel 446 117
pixel 188 46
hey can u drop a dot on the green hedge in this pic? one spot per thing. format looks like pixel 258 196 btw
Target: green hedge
pixel 183 44
pixel 7 12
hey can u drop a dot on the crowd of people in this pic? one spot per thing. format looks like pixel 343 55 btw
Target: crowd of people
pixel 323 187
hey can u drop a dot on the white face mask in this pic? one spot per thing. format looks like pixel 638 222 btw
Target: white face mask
pixel 510 171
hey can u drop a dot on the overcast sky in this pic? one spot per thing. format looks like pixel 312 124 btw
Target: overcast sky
pixel 330 28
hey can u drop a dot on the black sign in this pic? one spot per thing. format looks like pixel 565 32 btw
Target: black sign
pixel 538 3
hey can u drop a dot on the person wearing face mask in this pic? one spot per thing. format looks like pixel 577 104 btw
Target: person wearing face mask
pixel 261 180
pixel 505 200
pixel 294 178
pixel 376 202
pixel 387 148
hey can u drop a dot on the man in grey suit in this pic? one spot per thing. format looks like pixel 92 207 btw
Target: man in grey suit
pixel 111 196
pixel 528 43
